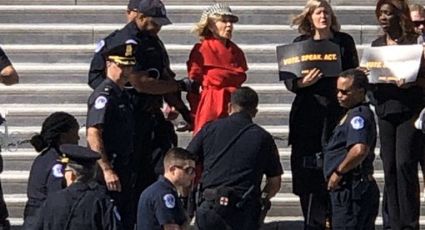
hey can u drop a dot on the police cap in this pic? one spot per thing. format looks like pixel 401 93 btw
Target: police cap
pixel 156 10
pixel 133 5
pixel 122 54
pixel 78 154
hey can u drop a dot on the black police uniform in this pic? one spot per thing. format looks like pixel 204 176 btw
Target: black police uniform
pixel 159 205
pixel 314 113
pixel 233 168
pixel 46 177
pixel 154 135
pixel 355 202
pixel 4 214
pixel 109 107
pixel 82 205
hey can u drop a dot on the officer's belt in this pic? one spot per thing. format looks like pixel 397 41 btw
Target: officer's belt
pixel 214 194
pixel 227 195
pixel 362 177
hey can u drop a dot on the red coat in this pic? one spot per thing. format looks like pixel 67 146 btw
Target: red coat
pixel 221 69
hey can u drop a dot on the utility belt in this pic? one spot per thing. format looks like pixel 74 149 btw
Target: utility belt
pixel 313 162
pixel 226 197
pixel 358 183
pixel 361 177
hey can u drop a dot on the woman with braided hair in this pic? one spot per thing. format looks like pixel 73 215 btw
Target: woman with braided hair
pixel 46 175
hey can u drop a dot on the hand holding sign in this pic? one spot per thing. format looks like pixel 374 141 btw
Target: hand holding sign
pixel 385 67
pixel 312 77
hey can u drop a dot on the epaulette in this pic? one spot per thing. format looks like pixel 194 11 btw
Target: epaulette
pixel 106 90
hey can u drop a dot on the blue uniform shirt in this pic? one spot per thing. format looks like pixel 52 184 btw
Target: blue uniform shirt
pixel 159 205
pixel 357 126
pixel 109 108
pixel 46 176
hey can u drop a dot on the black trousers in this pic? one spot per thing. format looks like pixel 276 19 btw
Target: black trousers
pixel 401 150
pixel 315 208
pixel 309 185
pixel 355 206
pixel 211 216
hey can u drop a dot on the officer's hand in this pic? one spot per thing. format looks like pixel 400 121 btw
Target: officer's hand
pixel 112 180
pixel 333 182
pixel 185 84
pixel 312 77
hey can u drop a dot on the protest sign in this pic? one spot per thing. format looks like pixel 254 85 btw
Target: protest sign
pixel 297 59
pixel 389 64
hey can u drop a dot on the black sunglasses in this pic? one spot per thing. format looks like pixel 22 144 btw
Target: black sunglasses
pixel 188 170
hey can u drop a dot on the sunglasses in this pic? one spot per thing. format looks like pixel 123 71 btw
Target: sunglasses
pixel 189 170
pixel 419 23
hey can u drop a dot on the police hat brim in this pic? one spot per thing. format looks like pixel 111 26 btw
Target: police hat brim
pixel 78 154
pixel 162 21
pixel 125 61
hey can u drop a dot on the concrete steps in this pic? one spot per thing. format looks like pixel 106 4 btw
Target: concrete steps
pixel 188 2
pixel 45 33
pixel 67 53
pixel 259 14
pixel 52 42
pixel 78 93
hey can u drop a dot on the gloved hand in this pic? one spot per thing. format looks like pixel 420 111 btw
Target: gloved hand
pixel 185 84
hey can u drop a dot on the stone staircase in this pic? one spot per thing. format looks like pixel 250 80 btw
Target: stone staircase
pixel 51 43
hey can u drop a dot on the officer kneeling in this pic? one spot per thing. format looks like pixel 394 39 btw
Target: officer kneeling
pixel 159 205
pixel 84 203
pixel 349 155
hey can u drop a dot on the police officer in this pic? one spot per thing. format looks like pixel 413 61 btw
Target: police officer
pixel 8 76
pixel 110 129
pixel 235 154
pixel 46 175
pixel 349 155
pixel 153 81
pixel 84 203
pixel 159 207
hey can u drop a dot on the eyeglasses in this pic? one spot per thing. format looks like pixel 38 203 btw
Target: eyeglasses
pixel 419 23
pixel 189 170
pixel 346 91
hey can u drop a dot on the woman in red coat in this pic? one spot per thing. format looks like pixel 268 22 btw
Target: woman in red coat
pixel 216 63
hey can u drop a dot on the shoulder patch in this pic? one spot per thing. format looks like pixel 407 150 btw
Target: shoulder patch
pixel 57 170
pixel 100 102
pixel 357 122
pixel 131 41
pixel 169 200
pixel 99 46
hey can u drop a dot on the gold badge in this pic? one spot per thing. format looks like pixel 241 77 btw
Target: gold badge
pixel 128 51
